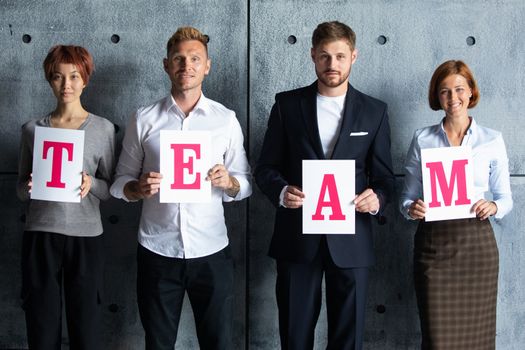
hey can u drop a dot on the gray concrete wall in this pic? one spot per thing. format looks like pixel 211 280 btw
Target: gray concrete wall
pixel 252 60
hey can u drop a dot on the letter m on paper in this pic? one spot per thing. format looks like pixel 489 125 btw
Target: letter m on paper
pixel 457 180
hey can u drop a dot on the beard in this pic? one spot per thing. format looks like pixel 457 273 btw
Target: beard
pixel 333 81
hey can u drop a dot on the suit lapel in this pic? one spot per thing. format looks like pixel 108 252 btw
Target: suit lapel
pixel 350 113
pixel 309 112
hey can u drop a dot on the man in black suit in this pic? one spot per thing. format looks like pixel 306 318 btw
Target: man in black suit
pixel 326 120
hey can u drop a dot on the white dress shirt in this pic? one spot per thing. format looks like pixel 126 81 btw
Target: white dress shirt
pixel 182 230
pixel 491 165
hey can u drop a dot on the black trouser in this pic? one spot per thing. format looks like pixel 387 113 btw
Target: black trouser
pixel 48 259
pixel 299 296
pixel 161 284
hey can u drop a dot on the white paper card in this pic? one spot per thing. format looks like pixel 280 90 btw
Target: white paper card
pixel 58 157
pixel 329 188
pixel 448 182
pixel 185 158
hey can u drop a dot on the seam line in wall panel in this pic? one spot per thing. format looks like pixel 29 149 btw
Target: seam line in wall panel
pixel 247 234
pixel 247 146
pixel 511 175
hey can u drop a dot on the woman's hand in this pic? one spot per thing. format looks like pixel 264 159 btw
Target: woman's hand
pixel 29 183
pixel 86 184
pixel 484 209
pixel 417 210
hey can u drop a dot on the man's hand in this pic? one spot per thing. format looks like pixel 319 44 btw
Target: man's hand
pixel 293 197
pixel 367 202
pixel 417 210
pixel 220 177
pixel 147 186
pixel 484 209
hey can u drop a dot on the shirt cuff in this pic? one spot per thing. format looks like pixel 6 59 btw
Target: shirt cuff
pixel 281 197
pixel 245 190
pixel 405 207
pixel 117 189
pixel 504 208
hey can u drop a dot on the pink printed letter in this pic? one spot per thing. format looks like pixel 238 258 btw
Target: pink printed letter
pixel 458 172
pixel 56 165
pixel 180 165
pixel 329 184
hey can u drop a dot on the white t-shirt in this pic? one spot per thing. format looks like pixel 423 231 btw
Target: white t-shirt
pixel 329 119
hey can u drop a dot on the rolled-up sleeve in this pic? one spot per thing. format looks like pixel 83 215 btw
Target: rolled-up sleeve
pixel 236 162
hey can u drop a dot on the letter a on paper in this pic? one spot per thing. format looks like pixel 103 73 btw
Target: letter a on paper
pixel 329 186
pixel 329 189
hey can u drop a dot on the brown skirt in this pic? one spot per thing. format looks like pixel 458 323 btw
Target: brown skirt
pixel 456 279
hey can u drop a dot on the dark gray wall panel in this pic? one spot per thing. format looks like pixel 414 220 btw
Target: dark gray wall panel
pixel 420 36
pixel 12 326
pixel 128 74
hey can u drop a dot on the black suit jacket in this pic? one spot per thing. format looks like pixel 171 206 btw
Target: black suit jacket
pixel 293 135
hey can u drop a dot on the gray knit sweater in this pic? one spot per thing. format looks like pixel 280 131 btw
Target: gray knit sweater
pixel 72 219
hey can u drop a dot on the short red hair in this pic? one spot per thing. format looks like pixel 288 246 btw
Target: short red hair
pixel 442 72
pixel 76 55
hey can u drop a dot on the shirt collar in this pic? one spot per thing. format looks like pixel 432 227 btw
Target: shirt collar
pixel 472 128
pixel 203 105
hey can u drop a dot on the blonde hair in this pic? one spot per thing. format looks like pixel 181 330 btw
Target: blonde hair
pixel 184 34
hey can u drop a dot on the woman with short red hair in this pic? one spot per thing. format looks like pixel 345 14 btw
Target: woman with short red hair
pixel 456 261
pixel 62 247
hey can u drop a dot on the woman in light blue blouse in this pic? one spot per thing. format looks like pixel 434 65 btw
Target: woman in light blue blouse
pixel 456 261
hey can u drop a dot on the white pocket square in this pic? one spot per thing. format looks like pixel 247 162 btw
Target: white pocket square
pixel 359 133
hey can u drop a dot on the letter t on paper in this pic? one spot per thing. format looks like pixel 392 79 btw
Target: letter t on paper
pixel 58 158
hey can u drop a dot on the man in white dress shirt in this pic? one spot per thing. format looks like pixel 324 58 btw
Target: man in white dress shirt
pixel 183 247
